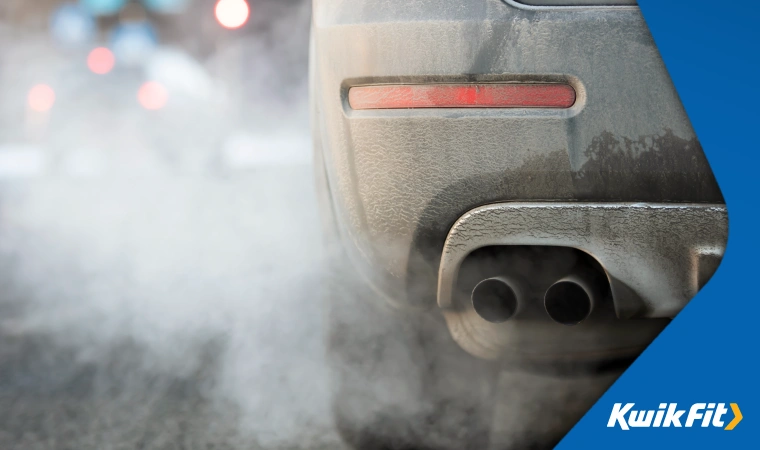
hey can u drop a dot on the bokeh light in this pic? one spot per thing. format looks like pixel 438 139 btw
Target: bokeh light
pixel 41 98
pixel 103 7
pixel 165 6
pixel 72 26
pixel 100 60
pixel 133 42
pixel 232 13
pixel 152 96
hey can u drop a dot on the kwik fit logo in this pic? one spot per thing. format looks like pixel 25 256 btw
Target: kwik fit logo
pixel 668 415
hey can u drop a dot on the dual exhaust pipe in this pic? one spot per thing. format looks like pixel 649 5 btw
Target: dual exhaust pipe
pixel 569 301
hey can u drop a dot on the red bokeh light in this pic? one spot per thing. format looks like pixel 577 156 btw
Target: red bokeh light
pixel 101 61
pixel 152 96
pixel 41 98
pixel 232 13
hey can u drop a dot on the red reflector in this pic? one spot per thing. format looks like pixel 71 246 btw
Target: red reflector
pixel 462 96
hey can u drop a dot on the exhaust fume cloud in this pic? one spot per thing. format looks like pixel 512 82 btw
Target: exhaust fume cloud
pixel 161 271
pixel 151 302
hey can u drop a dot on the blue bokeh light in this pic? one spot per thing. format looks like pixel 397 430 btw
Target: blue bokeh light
pixel 165 6
pixel 133 42
pixel 103 7
pixel 72 26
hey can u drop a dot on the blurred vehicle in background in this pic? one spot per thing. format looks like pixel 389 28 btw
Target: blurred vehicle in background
pixel 515 187
pixel 118 86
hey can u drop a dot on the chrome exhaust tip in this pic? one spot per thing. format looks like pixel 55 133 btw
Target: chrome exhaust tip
pixel 570 300
pixel 497 299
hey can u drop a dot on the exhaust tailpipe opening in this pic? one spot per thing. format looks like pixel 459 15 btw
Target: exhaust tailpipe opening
pixel 497 299
pixel 570 300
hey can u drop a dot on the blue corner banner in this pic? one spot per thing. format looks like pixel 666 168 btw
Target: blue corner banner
pixel 703 369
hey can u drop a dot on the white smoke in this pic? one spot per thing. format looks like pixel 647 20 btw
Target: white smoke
pixel 161 272
pixel 168 265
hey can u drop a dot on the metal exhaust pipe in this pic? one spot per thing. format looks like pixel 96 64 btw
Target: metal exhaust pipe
pixel 498 299
pixel 571 300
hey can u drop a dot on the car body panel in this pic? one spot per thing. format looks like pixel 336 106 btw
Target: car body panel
pixel 399 179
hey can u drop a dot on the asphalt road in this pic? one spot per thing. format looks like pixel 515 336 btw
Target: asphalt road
pixel 162 312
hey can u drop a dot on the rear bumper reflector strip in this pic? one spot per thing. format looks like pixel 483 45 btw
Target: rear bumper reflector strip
pixel 487 95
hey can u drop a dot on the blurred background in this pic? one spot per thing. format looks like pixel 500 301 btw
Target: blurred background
pixel 159 244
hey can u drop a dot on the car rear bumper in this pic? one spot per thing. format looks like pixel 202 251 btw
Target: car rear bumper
pixel 656 256
pixel 398 179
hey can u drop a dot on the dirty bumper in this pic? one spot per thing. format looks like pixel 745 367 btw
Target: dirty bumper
pixel 656 256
